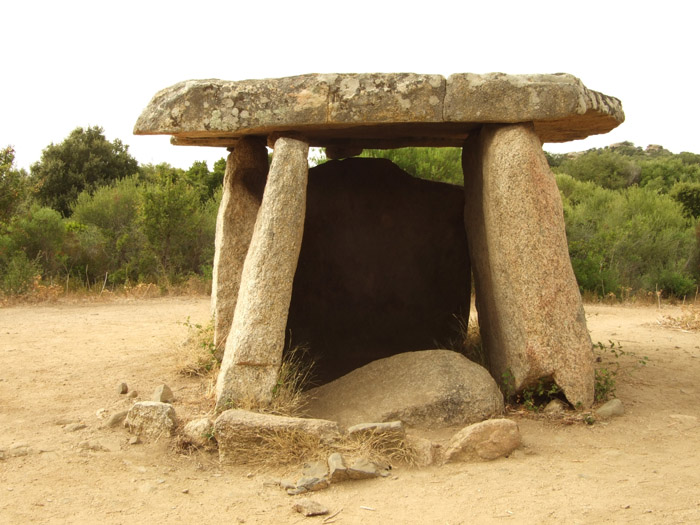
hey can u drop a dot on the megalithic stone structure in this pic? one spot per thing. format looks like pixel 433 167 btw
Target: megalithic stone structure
pixel 255 343
pixel 244 183
pixel 529 307
pixel 530 310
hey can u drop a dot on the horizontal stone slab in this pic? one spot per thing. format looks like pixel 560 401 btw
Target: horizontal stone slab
pixel 377 110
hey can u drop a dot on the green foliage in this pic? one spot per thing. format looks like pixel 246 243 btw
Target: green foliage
pixel 602 167
pixel 109 234
pixel 85 160
pixel 14 185
pixel 179 230
pixel 40 233
pixel 627 238
pixel 438 164
pixel 18 274
pixel 688 195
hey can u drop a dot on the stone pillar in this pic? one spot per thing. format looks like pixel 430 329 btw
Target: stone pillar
pixel 255 343
pixel 530 309
pixel 244 182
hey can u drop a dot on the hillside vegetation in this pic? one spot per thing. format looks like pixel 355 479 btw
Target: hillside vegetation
pixel 87 216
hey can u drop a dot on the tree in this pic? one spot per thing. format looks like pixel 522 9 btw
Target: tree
pixel 13 184
pixel 85 160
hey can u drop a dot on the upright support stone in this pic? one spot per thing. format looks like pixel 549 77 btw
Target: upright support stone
pixel 530 309
pixel 244 182
pixel 255 343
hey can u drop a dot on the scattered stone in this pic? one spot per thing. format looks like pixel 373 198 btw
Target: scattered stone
pixel 295 491
pixel 163 394
pixel 134 440
pixel 430 388
pixel 309 507
pixel 486 440
pixel 393 430
pixel 101 413
pixel 555 406
pixel 94 446
pixel 315 469
pixel 363 469
pixel 2 455
pixel 122 388
pixel 117 418
pixel 337 471
pixel 287 484
pixel 312 483
pixel 151 419
pixel 73 427
pixel 199 432
pixel 18 450
pixel 425 452
pixel 185 491
pixel 237 430
pixel 133 394
pixel 612 408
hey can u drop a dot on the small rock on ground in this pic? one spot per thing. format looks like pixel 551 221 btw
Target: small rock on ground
pixel 116 418
pixel 122 388
pixel 199 432
pixel 486 440
pixel 73 427
pixel 151 419
pixel 163 394
pixel 309 507
pixel 363 469
pixel 337 471
pixel 612 408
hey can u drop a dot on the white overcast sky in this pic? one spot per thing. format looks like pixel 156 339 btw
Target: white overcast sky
pixel 71 63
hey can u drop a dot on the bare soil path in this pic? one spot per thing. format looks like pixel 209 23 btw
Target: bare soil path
pixel 60 364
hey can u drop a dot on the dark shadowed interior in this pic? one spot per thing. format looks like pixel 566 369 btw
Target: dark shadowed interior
pixel 383 267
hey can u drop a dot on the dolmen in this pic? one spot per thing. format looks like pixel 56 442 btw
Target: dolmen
pixel 361 261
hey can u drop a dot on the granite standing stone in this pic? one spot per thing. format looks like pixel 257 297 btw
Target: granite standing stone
pixel 244 183
pixel 254 349
pixel 530 310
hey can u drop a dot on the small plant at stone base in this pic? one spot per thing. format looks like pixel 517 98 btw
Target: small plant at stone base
pixel 508 385
pixel 606 377
pixel 536 397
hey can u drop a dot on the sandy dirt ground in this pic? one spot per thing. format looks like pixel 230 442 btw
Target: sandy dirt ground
pixel 60 364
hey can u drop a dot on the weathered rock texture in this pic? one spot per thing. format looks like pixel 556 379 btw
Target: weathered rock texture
pixel 530 309
pixel 432 388
pixel 377 110
pixel 244 182
pixel 383 267
pixel 254 349
pixel 488 440
pixel 151 419
pixel 240 431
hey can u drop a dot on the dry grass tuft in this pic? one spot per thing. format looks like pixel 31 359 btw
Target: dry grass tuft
pixel 296 373
pixel 469 343
pixel 378 448
pixel 268 448
pixel 196 354
pixel 275 447
pixel 689 319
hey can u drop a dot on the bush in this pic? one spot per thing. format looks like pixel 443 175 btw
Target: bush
pixel 634 238
pixel 19 274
